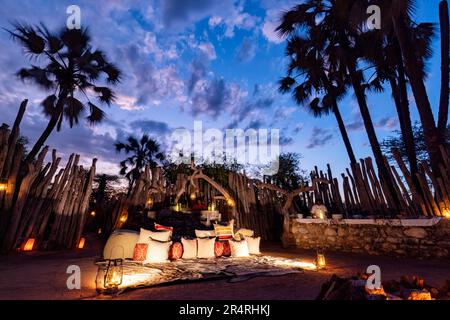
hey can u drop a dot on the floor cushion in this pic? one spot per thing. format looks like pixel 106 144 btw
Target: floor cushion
pixel 253 245
pixel 162 235
pixel 189 248
pixel 218 248
pixel 140 251
pixel 239 249
pixel 157 251
pixel 205 248
pixel 120 244
pixel 205 233
pixel 176 251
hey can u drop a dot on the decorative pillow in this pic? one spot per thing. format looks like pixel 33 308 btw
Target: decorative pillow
pixel 205 233
pixel 140 251
pixel 245 232
pixel 239 249
pixel 226 248
pixel 224 232
pixel 218 248
pixel 176 251
pixel 147 235
pixel 205 248
pixel 120 244
pixel 253 245
pixel 160 227
pixel 189 248
pixel 157 251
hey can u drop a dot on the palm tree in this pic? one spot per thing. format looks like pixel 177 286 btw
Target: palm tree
pixel 400 12
pixel 70 68
pixel 144 152
pixel 382 50
pixel 335 26
pixel 307 62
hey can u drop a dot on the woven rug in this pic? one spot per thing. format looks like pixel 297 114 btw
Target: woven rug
pixel 137 275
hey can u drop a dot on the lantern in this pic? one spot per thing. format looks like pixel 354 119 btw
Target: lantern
pixel 123 218
pixel 320 260
pixel 28 245
pixel 93 213
pixel 81 243
pixel 446 213
pixel 193 196
pixel 149 203
pixel 230 202
pixel 113 276
pixel 3 184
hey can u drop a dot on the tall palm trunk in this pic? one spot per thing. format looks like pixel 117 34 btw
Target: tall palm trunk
pixel 368 124
pixel 443 101
pixel 404 118
pixel 55 118
pixel 431 136
pixel 344 134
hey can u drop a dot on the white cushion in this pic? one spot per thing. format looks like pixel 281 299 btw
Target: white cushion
pixel 253 245
pixel 189 248
pixel 245 232
pixel 120 244
pixel 147 235
pixel 205 233
pixel 239 249
pixel 157 251
pixel 205 248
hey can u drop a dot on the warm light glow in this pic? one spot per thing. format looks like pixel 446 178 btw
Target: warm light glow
pixel 3 186
pixel 93 213
pixel 99 231
pixel 123 218
pixel 320 261
pixel 321 214
pixel 446 213
pixel 114 274
pixel 28 245
pixel 230 202
pixel 193 196
pixel 81 243
pixel 149 203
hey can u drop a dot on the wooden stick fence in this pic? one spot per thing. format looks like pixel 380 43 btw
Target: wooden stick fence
pixel 38 202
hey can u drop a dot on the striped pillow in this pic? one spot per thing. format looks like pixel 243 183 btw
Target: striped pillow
pixel 160 227
pixel 224 232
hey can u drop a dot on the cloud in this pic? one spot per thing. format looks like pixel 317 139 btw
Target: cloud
pixel 246 51
pixel 151 126
pixel 387 123
pixel 319 137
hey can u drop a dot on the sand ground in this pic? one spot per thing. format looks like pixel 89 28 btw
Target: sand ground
pixel 42 275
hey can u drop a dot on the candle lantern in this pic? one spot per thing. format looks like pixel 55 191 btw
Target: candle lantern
pixel 193 196
pixel 230 202
pixel 149 203
pixel 3 184
pixel 81 243
pixel 93 213
pixel 29 244
pixel 320 260
pixel 113 275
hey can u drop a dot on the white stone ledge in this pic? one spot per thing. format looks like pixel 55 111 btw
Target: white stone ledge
pixel 426 222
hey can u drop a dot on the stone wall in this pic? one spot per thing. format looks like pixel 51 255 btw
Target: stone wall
pixel 424 238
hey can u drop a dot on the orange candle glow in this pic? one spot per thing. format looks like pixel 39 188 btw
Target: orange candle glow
pixel 81 243
pixel 28 245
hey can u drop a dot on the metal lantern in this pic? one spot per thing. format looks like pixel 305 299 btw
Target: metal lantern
pixel 320 260
pixel 113 275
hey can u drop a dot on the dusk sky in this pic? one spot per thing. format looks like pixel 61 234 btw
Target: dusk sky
pixel 214 61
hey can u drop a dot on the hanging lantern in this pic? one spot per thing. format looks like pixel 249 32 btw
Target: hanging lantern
pixel 320 260
pixel 113 275
pixel 29 245
pixel 81 243
pixel 3 184
pixel 93 213
pixel 123 218
pixel 149 203
pixel 193 196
